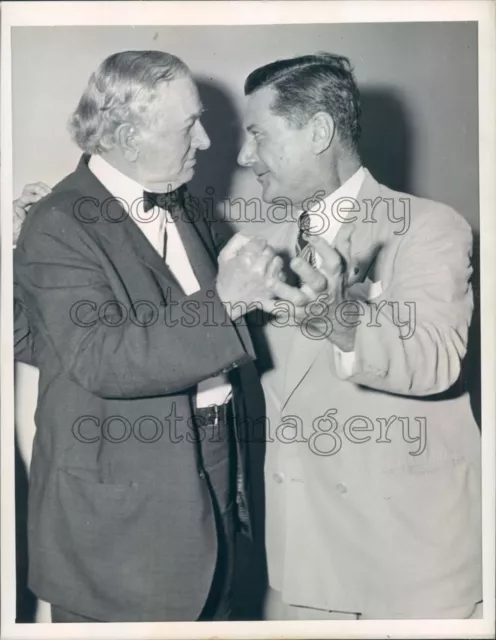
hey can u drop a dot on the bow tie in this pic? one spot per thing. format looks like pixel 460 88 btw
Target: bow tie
pixel 168 200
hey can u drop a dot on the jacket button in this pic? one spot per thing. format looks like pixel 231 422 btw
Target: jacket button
pixel 278 477
pixel 341 487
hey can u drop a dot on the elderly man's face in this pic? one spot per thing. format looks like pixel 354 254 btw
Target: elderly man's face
pixel 168 145
pixel 279 154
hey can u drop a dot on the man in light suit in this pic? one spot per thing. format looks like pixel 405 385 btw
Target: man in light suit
pixel 372 473
pixel 137 480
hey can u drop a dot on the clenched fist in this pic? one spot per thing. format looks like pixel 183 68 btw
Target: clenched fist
pixel 245 267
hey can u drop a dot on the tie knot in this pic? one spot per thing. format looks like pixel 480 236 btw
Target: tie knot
pixel 303 249
pixel 168 200
pixel 304 222
pixel 303 226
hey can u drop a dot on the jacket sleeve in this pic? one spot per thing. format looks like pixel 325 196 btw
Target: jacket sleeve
pixel 59 271
pixel 413 337
pixel 23 339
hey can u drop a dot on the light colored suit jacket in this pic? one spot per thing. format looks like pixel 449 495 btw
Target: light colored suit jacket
pixel 373 496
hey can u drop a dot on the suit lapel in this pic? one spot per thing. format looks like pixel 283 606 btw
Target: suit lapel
pixel 145 252
pixel 129 236
pixel 362 233
pixel 198 245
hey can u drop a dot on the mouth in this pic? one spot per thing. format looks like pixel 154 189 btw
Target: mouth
pixel 260 176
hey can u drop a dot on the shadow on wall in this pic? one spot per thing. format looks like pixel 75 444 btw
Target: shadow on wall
pixel 215 167
pixel 472 366
pixel 387 139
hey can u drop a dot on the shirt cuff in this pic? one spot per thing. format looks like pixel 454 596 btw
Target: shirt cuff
pixel 345 362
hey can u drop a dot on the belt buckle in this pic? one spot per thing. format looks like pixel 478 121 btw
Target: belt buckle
pixel 216 409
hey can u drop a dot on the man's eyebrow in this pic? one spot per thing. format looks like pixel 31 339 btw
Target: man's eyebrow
pixel 196 115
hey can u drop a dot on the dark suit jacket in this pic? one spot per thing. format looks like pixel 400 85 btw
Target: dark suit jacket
pixel 120 529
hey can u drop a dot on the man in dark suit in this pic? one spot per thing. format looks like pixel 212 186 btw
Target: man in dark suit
pixel 137 478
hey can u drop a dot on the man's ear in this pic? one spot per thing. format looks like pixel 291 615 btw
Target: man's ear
pixel 323 131
pixel 126 139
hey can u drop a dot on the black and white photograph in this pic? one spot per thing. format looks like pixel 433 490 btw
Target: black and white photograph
pixel 247 301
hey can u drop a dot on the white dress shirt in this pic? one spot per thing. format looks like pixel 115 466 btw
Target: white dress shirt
pixel 335 212
pixel 215 390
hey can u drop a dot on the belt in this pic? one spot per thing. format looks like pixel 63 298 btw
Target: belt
pixel 214 414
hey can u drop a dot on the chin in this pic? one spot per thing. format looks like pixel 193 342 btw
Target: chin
pixel 272 196
pixel 184 178
pixel 268 194
pixel 188 175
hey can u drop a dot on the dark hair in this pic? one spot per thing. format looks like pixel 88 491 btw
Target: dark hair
pixel 308 84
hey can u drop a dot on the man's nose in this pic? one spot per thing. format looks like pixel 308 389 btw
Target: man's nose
pixel 246 156
pixel 202 139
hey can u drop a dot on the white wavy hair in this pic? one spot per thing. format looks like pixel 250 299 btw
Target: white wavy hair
pixel 120 90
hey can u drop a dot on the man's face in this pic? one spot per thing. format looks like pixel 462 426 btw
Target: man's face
pixel 173 134
pixel 279 154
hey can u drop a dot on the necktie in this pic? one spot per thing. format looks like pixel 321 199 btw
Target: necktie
pixel 304 250
pixel 169 201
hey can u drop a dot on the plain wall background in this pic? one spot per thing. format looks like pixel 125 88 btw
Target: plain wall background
pixel 418 83
pixel 420 134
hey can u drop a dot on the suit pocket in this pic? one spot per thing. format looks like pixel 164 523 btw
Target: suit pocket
pixel 375 289
pixel 102 535
pixel 80 492
pixel 367 290
pixel 437 504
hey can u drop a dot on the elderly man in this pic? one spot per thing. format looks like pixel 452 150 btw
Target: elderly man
pixel 137 476
pixel 373 484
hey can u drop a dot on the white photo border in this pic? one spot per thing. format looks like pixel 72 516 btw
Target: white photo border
pixel 145 13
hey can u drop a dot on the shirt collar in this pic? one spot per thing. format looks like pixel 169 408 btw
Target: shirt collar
pixel 116 182
pixel 349 189
pixel 129 193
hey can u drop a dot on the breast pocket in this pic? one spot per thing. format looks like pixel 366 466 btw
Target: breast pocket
pixel 375 289
pixel 365 291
